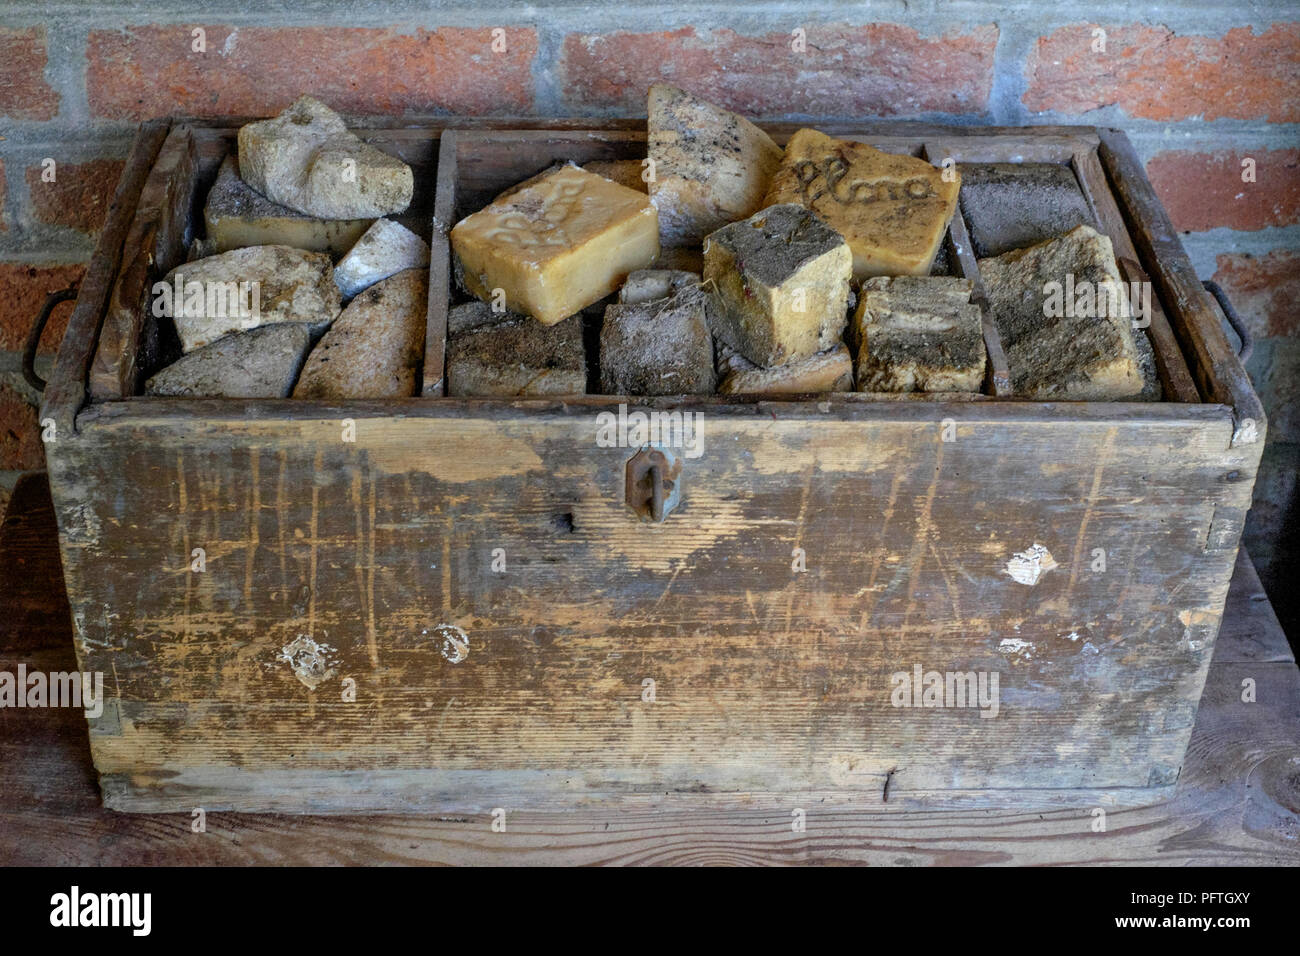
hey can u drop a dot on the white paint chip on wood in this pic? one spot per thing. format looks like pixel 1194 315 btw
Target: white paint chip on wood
pixel 1026 567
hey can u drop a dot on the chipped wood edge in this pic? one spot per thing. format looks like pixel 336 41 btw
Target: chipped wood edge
pixel 1213 360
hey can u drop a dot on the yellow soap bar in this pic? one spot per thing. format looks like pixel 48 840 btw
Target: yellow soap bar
pixel 556 243
pixel 892 210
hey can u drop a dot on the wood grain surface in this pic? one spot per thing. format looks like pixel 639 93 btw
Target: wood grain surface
pixel 1237 802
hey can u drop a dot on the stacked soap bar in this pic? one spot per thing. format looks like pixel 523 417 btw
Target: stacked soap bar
pixel 555 244
pixel 918 334
pixel 892 210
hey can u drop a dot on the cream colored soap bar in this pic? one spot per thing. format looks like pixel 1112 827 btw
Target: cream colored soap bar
pixel 829 371
pixel 780 282
pixel 237 215
pixel 893 210
pixel 556 243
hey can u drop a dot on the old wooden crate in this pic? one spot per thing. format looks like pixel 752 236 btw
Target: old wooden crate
pixel 315 663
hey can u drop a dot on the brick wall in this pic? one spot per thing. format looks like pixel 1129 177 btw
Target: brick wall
pixel 1198 86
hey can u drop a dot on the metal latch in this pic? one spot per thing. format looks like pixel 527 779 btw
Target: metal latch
pixel 653 483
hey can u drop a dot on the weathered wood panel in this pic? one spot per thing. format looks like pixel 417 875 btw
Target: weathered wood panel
pixel 767 680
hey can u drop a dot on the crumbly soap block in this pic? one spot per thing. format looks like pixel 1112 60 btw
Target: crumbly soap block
pixel 556 243
pixel 387 248
pixel 1012 205
pixel 1089 357
pixel 260 363
pixel 711 166
pixel 829 371
pixel 291 285
pixel 375 347
pixel 625 172
pixel 919 334
pixel 306 159
pixel 506 355
pixel 657 347
pixel 237 215
pixel 646 284
pixel 893 210
pixel 780 285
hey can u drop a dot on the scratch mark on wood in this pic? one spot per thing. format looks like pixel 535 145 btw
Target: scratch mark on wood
pixel 254 515
pixel 1104 455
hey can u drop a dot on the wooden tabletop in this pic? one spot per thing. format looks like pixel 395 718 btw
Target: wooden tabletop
pixel 1237 802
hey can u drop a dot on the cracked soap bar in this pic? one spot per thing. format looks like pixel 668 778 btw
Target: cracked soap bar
pixel 829 371
pixel 893 210
pixel 556 243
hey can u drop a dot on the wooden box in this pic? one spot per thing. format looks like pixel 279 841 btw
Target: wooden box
pixel 448 604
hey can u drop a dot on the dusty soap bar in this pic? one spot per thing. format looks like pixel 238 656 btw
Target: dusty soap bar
pixel 306 159
pixel 237 215
pixel 893 210
pixel 646 284
pixel 556 243
pixel 710 166
pixel 829 371
pixel 508 354
pixel 780 285
pixel 919 334
pixel 1081 349
pixel 244 288
pixel 260 363
pixel 657 347
pixel 375 347
pixel 387 248
pixel 1012 205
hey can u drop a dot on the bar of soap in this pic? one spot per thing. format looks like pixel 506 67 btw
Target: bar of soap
pixel 657 347
pixel 893 210
pixel 625 172
pixel 237 215
pixel 242 289
pixel 387 248
pixel 507 355
pixel 1087 356
pixel 375 348
pixel 829 371
pixel 261 363
pixel 646 284
pixel 556 243
pixel 306 159
pixel 919 334
pixel 780 284
pixel 1012 205
pixel 711 166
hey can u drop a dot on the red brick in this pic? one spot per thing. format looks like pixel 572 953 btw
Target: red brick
pixel 23 289
pixel 1205 190
pixel 79 196
pixel 148 71
pixel 24 94
pixel 1264 289
pixel 1150 72
pixel 20 433
pixel 877 69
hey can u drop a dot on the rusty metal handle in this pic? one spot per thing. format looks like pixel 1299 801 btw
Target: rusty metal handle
pixel 1238 326
pixel 34 336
